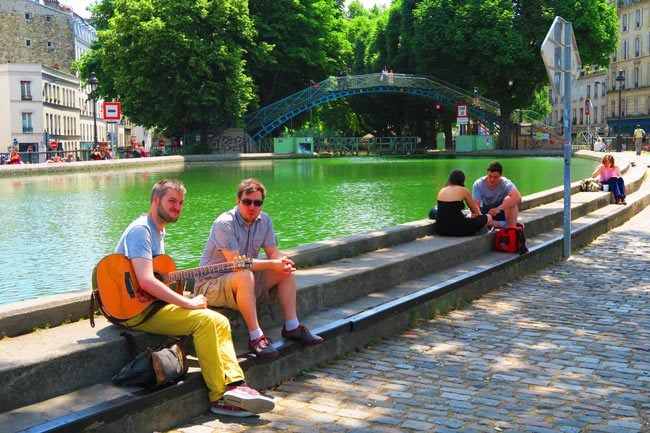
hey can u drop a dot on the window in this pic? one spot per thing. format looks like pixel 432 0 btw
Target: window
pixel 588 90
pixel 637 47
pixel 49 45
pixel 638 18
pixel 637 75
pixel 48 18
pixel 27 122
pixel 625 19
pixel 28 42
pixel 624 50
pixel 28 17
pixel 26 90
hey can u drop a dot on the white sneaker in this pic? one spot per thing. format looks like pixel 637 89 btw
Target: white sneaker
pixel 248 399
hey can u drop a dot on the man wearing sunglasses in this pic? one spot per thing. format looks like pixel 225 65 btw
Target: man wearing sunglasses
pixel 245 230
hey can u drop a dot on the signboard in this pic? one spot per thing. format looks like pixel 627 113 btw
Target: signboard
pixel 53 145
pixel 552 54
pixel 461 110
pixel 587 106
pixel 112 112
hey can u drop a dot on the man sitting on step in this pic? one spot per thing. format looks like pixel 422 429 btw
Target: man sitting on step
pixel 244 230
pixel 497 196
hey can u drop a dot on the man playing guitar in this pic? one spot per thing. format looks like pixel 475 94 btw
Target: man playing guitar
pixel 141 242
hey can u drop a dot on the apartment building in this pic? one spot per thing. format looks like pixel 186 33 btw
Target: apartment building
pixel 613 101
pixel 42 102
pixel 629 71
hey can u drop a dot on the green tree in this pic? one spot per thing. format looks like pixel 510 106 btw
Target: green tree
pixel 495 44
pixel 307 41
pixel 176 66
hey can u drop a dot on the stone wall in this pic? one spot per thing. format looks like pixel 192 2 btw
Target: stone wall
pixel 48 30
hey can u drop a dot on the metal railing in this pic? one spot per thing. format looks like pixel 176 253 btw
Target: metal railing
pixel 263 121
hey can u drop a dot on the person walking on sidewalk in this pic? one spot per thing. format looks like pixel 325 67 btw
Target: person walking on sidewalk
pixel 497 196
pixel 639 138
pixel 244 230
pixel 143 240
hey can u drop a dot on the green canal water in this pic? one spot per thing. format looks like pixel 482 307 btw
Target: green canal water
pixel 55 228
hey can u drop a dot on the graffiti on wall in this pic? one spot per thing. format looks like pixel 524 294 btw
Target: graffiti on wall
pixel 232 140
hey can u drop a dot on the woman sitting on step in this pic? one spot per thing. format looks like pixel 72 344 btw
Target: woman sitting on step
pixel 610 174
pixel 450 219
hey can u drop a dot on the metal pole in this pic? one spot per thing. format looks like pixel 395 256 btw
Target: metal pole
pixel 567 139
pixel 95 119
pixel 619 138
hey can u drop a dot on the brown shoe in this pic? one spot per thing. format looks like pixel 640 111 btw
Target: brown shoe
pixel 263 348
pixel 302 334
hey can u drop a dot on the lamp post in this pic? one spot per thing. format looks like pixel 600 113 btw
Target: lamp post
pixel 619 138
pixel 93 86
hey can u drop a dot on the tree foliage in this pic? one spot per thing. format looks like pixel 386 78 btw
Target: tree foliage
pixel 175 65
pixel 190 64
pixel 495 44
pixel 306 40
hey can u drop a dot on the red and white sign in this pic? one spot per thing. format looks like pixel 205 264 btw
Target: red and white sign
pixel 587 106
pixel 112 112
pixel 462 110
pixel 54 145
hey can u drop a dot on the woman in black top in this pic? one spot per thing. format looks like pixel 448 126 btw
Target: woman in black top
pixel 450 220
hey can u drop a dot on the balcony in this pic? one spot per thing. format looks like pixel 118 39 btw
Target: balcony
pixel 26 97
pixel 28 129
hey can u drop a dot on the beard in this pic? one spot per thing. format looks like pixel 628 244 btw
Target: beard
pixel 166 216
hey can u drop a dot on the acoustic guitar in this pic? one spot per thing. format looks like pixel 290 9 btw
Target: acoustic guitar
pixel 116 288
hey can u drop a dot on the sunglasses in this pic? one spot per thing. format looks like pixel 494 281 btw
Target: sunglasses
pixel 248 202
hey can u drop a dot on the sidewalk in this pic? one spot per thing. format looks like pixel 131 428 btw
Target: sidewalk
pixel 566 349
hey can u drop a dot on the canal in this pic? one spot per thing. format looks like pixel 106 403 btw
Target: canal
pixel 55 228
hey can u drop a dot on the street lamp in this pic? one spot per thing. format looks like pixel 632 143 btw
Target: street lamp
pixel 93 86
pixel 619 138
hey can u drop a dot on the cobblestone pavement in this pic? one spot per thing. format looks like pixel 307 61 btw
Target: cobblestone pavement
pixel 566 349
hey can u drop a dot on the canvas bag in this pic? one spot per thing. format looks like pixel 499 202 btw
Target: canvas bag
pixel 152 368
pixel 590 185
pixel 510 240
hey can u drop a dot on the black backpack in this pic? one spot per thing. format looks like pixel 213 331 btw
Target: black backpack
pixel 153 368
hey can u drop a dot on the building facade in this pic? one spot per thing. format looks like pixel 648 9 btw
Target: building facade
pixel 43 103
pixel 617 98
pixel 629 71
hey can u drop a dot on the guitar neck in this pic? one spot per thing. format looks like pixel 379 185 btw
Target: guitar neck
pixel 197 272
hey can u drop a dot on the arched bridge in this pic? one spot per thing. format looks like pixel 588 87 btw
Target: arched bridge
pixel 262 122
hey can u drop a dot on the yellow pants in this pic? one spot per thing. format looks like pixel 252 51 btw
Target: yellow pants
pixel 212 342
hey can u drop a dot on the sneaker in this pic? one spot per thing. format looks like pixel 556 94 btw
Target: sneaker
pixel 220 407
pixel 248 399
pixel 302 334
pixel 262 347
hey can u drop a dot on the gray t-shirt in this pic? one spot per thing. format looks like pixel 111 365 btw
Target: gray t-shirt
pixel 142 239
pixel 231 232
pixel 491 198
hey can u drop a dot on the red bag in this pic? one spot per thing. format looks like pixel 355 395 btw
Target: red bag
pixel 510 240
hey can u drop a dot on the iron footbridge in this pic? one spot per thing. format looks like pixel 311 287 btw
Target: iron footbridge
pixel 260 123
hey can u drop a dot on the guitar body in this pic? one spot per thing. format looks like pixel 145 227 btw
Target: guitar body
pixel 120 296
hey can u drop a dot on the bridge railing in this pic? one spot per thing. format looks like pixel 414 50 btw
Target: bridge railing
pixel 312 95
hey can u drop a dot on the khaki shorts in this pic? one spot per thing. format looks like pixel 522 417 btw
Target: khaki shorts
pixel 220 294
